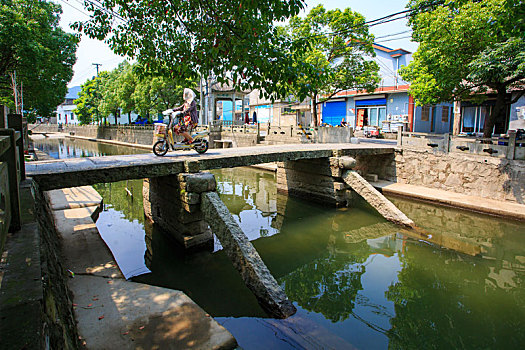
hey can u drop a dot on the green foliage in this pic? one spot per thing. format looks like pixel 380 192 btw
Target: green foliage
pixel 89 100
pixel 337 54
pixel 41 53
pixel 126 90
pixel 467 48
pixel 183 38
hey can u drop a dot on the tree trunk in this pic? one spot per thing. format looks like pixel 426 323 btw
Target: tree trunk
pixel 314 112
pixel 497 113
pixel 129 117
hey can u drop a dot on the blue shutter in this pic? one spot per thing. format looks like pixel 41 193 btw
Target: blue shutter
pixel 371 102
pixel 333 112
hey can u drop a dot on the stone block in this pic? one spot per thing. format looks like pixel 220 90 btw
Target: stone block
pixel 347 162
pixel 338 186
pixel 197 183
pixel 371 177
pixel 190 197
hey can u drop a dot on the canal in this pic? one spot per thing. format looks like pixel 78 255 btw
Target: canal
pixel 356 280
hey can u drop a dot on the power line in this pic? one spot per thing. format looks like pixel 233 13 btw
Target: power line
pixel 394 39
pixel 79 10
pixel 393 34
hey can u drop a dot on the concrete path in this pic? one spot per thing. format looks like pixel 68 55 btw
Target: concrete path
pixel 111 312
pixel 478 204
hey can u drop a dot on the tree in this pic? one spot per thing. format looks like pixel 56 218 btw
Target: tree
pixel 155 94
pixel 38 50
pixel 467 48
pixel 183 38
pixel 338 54
pixel 89 100
pixel 125 88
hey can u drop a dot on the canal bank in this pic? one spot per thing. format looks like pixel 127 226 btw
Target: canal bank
pixel 344 259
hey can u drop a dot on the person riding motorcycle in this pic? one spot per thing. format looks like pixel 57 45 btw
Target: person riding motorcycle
pixel 189 118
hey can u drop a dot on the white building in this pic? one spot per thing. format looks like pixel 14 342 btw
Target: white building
pixel 64 112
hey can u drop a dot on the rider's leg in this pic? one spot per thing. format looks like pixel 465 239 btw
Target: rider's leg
pixel 187 136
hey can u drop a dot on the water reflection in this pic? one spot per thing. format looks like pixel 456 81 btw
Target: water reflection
pixel 59 148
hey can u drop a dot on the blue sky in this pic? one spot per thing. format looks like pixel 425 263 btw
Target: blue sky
pixel 93 51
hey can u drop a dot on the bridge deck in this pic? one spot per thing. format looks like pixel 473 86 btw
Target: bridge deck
pixel 87 171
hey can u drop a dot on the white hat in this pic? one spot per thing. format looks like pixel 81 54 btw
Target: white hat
pixel 188 95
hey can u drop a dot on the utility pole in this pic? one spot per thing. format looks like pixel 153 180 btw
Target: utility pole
pixel 97 65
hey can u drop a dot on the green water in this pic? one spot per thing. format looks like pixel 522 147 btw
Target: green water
pixel 357 281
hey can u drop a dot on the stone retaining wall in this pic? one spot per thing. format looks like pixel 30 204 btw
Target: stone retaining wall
pixel 59 323
pixel 473 175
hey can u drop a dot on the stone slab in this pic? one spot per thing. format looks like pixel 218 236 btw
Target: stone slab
pixel 245 258
pixel 474 203
pixel 86 251
pixel 128 315
pixel 386 208
pixel 76 197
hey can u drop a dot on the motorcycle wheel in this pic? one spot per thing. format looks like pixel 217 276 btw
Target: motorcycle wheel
pixel 202 147
pixel 160 148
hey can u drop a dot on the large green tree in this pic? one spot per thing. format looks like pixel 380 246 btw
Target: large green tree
pixel 467 49
pixel 90 99
pixel 38 50
pixel 174 38
pixel 337 56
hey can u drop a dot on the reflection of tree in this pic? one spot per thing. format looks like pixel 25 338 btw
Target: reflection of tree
pixel 329 284
pixel 115 195
pixel 246 188
pixel 445 300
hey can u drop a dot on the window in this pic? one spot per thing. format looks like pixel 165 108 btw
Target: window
pixel 287 110
pixel 444 114
pixel 473 118
pixel 425 113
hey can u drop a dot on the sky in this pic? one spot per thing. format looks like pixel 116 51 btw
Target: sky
pixel 93 51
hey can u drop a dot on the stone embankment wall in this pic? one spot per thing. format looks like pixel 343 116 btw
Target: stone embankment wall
pixel 135 134
pixel 474 175
pixel 58 319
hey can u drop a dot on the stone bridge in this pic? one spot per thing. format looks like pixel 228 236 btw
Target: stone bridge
pixel 182 199
pixel 65 173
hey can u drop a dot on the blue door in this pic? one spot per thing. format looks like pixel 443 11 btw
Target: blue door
pixel 333 112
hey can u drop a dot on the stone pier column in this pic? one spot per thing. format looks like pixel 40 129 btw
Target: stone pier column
pixel 173 202
pixel 317 180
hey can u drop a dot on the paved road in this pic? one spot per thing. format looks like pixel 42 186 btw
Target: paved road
pixel 86 171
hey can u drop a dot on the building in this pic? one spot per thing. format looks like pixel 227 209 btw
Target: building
pixel 390 105
pixel 64 112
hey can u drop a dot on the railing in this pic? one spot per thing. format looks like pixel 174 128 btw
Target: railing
pixel 12 171
pixel 498 147
pixel 220 126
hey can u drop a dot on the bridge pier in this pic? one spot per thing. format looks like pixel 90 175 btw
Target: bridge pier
pixel 184 204
pixel 173 202
pixel 317 180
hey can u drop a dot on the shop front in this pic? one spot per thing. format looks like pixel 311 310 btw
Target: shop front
pixel 370 112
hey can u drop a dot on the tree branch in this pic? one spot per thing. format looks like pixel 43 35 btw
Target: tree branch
pixel 330 96
pixel 513 80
